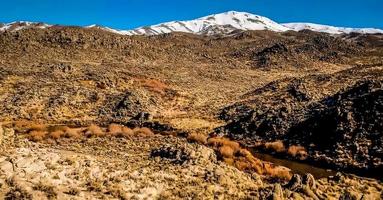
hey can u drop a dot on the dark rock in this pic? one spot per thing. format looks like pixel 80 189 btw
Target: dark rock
pixel 295 183
pixel 176 155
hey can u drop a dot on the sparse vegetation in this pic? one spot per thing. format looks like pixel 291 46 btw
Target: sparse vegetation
pixel 220 141
pixel 37 127
pixel 49 190
pixel 276 146
pixel 297 151
pixel 37 135
pixel 197 138
pixel 17 193
pixel 143 131
pixel 226 151
pixel 56 134
pixel 94 131
pixel 115 129
pixel 231 153
pixel 154 85
pixel 71 132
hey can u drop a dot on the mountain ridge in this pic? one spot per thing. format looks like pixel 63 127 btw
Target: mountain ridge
pixel 215 24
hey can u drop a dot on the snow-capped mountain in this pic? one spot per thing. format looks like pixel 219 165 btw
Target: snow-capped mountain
pixel 329 29
pixel 15 26
pixel 223 23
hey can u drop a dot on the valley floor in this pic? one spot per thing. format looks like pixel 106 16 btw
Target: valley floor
pixel 127 168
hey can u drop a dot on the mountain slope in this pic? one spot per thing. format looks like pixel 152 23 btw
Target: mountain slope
pixel 229 20
pixel 218 24
pixel 15 26
pixel 330 29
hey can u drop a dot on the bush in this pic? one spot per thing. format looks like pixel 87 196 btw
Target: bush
pixel 37 127
pixel 197 138
pixel 127 131
pixel 219 141
pixel 226 151
pixel 37 135
pixel 120 130
pixel 242 165
pixel 278 172
pixel 71 132
pixel 143 132
pixel 115 129
pixel 155 85
pixel 94 131
pixel 56 134
pixel 229 161
pixel 276 146
pixel 245 153
pixel 297 152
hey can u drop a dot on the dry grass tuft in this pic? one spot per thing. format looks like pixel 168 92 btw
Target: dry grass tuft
pixel 127 131
pixel 37 135
pixel 220 141
pixel 143 132
pixel 197 138
pixel 154 85
pixel 277 172
pixel 120 130
pixel 229 161
pixel 21 123
pixel 242 165
pixel 71 132
pixel 56 134
pixel 37 127
pixel 94 131
pixel 232 154
pixel 115 129
pixel 297 152
pixel 226 151
pixel 276 146
pixel 49 190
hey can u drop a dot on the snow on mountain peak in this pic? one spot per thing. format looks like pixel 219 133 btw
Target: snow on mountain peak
pixel 329 29
pixel 15 26
pixel 222 23
pixel 233 20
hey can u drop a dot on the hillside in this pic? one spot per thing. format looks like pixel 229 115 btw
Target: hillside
pixel 90 113
pixel 226 23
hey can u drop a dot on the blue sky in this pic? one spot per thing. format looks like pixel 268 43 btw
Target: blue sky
pixel 128 14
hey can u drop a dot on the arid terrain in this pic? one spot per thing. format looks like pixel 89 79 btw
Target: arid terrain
pixel 90 114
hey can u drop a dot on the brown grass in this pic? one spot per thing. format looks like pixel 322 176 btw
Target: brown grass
pixel 154 85
pixel 197 138
pixel 94 131
pixel 220 141
pixel 232 154
pixel 37 135
pixel 297 152
pixel 127 131
pixel 276 146
pixel 37 127
pixel 71 133
pixel 120 130
pixel 143 132
pixel 242 165
pixel 21 123
pixel 229 161
pixel 226 151
pixel 56 134
pixel 277 171
pixel 115 129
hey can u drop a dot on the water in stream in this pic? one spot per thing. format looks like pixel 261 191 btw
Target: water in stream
pixel 296 167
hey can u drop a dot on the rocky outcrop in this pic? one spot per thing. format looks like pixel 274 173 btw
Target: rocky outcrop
pixel 344 129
